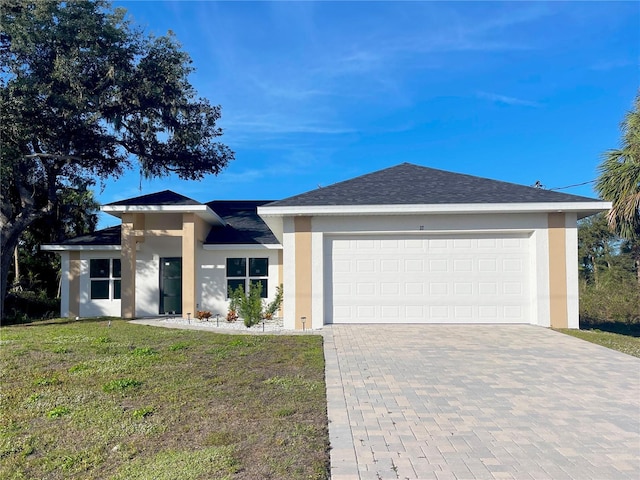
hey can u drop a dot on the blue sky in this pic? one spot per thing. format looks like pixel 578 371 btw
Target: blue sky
pixel 313 93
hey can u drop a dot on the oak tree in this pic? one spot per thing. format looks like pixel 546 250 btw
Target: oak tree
pixel 85 95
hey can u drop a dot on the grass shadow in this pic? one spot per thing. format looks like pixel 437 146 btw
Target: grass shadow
pixel 62 321
pixel 630 329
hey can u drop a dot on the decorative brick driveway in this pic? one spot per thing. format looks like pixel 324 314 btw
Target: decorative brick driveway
pixel 479 402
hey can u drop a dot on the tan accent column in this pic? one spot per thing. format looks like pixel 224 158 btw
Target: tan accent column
pixel 188 264
pixel 558 270
pixel 130 223
pixel 74 284
pixel 302 228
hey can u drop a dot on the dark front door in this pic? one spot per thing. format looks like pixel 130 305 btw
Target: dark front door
pixel 171 285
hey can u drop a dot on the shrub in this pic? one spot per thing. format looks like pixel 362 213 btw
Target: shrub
pixel 25 306
pixel 251 307
pixel 616 297
pixel 203 315
pixel 271 309
pixel 235 299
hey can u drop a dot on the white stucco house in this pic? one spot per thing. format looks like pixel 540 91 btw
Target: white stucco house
pixel 407 244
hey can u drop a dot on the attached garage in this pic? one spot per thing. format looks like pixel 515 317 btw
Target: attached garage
pixel 407 244
pixel 468 278
pixel 410 244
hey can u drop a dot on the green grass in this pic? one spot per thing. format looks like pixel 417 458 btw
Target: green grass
pixel 627 342
pixel 82 400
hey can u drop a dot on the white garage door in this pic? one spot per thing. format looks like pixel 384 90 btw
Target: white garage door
pixel 435 279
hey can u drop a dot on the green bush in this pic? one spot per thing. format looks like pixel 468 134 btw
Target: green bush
pixel 26 306
pixel 251 306
pixel 614 298
pixel 271 309
pixel 248 306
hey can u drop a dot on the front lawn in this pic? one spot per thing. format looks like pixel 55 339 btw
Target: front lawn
pixel 84 400
pixel 628 343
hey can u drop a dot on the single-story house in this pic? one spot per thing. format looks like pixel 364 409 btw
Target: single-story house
pixel 407 244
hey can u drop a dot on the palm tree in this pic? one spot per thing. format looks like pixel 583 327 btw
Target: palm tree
pixel 619 183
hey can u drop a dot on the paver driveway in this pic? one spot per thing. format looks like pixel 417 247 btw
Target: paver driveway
pixel 479 401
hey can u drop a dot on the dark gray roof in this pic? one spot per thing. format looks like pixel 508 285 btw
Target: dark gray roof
pixel 166 197
pixel 106 236
pixel 244 226
pixel 415 185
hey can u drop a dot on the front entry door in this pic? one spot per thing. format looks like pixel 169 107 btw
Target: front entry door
pixel 171 285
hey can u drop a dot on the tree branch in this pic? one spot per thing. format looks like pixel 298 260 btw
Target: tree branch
pixel 67 158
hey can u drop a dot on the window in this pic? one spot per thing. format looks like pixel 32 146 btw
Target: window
pixel 237 274
pixel 236 267
pixel 105 278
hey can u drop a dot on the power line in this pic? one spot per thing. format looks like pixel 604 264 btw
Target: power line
pixel 575 185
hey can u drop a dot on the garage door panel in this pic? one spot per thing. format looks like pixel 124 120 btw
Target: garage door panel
pixel 430 279
pixel 389 265
pixel 438 265
pixel 364 289
pixel 438 288
pixel 390 288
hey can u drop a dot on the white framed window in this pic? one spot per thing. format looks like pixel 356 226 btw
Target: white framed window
pixel 242 271
pixel 105 275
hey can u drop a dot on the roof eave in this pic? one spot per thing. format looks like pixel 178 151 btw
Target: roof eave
pixel 242 246
pixel 582 208
pixel 72 248
pixel 202 211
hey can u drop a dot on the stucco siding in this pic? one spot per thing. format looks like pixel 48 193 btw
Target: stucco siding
pixel 573 296
pixel 212 278
pixel 95 308
pixel 64 284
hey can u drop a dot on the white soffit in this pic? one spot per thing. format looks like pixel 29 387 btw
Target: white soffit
pixel 73 248
pixel 201 211
pixel 242 246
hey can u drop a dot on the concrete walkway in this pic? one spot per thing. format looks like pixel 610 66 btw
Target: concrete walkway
pixel 479 402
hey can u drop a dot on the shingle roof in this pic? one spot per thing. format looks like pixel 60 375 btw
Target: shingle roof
pixel 106 236
pixel 416 185
pixel 167 197
pixel 244 226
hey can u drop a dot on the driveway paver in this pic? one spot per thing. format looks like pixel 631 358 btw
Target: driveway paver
pixel 479 402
